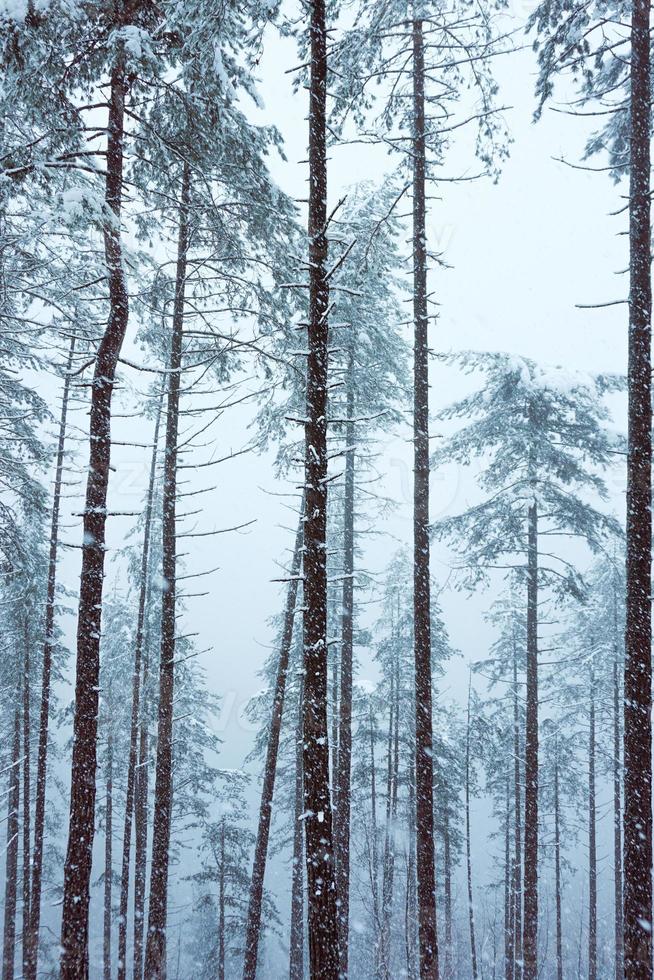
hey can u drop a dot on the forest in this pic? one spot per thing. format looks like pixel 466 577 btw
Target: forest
pixel 325 490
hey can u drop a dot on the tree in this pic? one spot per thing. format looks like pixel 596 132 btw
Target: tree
pixel 324 957
pixel 614 76
pixel 389 42
pixel 543 429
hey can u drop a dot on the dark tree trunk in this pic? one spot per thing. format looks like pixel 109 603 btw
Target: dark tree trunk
pixel 447 874
pixel 11 867
pixel 141 791
pixel 27 793
pixel 410 913
pixel 253 926
pixel 344 768
pixel 374 870
pixel 471 909
pixel 508 867
pixel 155 950
pixel 557 868
pixel 428 945
pixel 592 836
pixel 221 906
pixel 334 721
pixel 136 710
pixel 32 938
pixel 530 928
pixel 296 950
pixel 638 634
pixel 517 864
pixel 617 822
pixel 81 827
pixel 391 818
pixel 324 954
pixel 108 852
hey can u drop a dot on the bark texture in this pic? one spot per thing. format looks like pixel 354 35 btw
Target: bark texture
pixel 324 955
pixel 32 938
pixel 253 925
pixel 530 925
pixel 81 826
pixel 638 633
pixel 155 950
pixel 425 862
pixel 136 712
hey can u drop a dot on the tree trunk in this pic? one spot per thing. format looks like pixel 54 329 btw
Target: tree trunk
pixel 27 793
pixel 530 928
pixel 221 906
pixel 592 835
pixel 108 852
pixel 334 721
pixel 374 870
pixel 617 822
pixel 32 939
pixel 638 634
pixel 428 946
pixel 81 827
pixel 471 910
pixel 410 914
pixel 141 791
pixel 136 708
pixel 296 951
pixel 155 950
pixel 557 868
pixel 253 925
pixel 344 769
pixel 508 910
pixel 11 872
pixel 517 866
pixel 324 954
pixel 391 818
pixel 447 874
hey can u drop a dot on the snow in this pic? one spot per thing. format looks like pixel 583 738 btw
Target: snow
pixel 219 68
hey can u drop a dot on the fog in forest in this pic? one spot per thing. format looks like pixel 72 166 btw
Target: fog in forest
pixel 325 606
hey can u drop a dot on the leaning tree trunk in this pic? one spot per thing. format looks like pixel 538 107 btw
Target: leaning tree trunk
pixel 27 793
pixel 530 927
pixel 296 944
pixel 638 633
pixel 253 926
pixel 32 939
pixel 517 795
pixel 155 950
pixel 136 707
pixel 617 823
pixel 344 768
pixel 108 851
pixel 11 866
pixel 427 938
pixel 471 909
pixel 81 827
pixel 592 836
pixel 557 867
pixel 324 955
